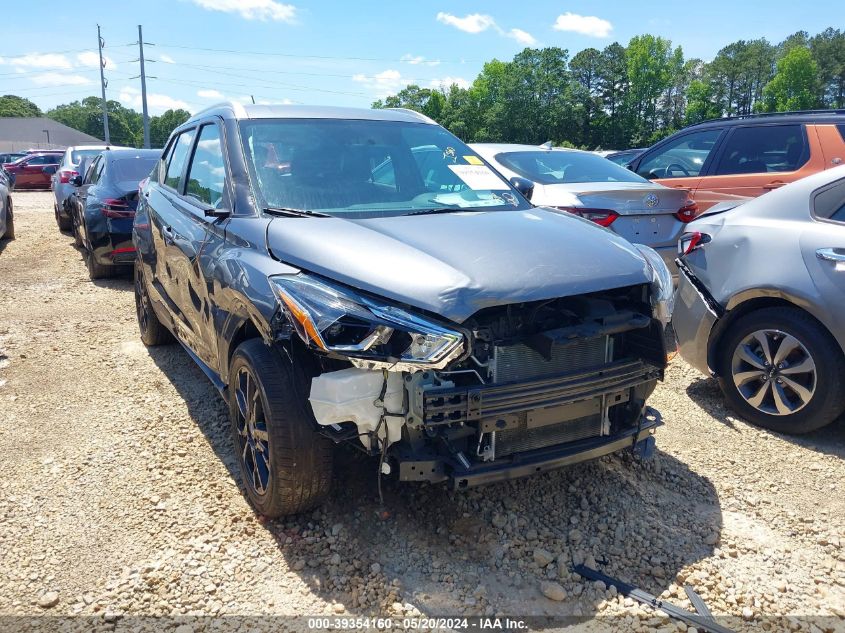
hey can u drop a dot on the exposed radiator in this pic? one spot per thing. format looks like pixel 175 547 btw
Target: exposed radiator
pixel 520 362
pixel 521 439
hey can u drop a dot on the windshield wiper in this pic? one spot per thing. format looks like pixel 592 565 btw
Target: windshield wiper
pixel 295 213
pixel 442 210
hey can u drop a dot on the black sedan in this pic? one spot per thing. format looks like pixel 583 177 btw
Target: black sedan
pixel 103 206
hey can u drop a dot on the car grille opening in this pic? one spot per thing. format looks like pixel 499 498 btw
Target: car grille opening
pixel 520 362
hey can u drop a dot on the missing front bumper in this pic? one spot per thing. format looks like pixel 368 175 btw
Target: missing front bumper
pixel 536 461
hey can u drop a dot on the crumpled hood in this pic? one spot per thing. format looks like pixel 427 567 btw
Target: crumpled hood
pixel 454 264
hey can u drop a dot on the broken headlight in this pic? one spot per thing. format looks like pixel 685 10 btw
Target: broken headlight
pixel 663 293
pixel 338 320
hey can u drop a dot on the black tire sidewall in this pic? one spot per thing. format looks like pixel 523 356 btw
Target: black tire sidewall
pixel 290 426
pixel 826 403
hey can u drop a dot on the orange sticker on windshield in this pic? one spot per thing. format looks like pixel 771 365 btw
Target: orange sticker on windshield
pixel 473 160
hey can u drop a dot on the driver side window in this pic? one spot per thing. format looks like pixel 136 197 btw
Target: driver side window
pixel 681 158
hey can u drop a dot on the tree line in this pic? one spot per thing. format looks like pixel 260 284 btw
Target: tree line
pixel 634 95
pixel 126 126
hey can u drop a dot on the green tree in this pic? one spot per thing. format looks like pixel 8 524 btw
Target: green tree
pixel 161 126
pixel 585 69
pixel 828 49
pixel 14 106
pixel 125 126
pixel 795 85
pixel 650 64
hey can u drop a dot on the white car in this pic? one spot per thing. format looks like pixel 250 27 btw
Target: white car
pixel 594 188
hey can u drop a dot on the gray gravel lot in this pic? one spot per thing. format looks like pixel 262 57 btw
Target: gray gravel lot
pixel 118 496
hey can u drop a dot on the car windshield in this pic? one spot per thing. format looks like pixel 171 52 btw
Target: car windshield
pixel 77 155
pixel 366 168
pixel 557 167
pixel 134 169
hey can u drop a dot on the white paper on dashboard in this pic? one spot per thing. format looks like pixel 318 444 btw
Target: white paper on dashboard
pixel 478 177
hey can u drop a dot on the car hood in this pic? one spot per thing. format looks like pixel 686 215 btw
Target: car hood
pixel 455 264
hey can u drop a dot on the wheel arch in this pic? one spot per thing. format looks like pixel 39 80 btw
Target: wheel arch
pixel 740 305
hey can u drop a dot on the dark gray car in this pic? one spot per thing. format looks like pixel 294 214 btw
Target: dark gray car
pixel 761 303
pixel 340 282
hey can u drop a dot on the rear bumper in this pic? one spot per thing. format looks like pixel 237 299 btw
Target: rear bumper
pixel 112 249
pixel 693 319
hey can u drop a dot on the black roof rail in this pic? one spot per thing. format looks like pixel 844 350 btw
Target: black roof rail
pixel 762 115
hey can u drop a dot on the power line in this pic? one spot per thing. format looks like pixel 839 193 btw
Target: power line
pixel 296 56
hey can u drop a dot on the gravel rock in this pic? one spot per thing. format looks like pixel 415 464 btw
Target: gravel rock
pixel 543 556
pixel 553 591
pixel 48 599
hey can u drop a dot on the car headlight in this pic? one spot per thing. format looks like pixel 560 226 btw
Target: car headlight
pixel 368 331
pixel 663 294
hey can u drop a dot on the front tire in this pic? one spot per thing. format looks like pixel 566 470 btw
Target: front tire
pixel 781 369
pixel 152 331
pixel 285 465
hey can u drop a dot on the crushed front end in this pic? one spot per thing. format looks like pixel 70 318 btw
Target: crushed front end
pixel 514 390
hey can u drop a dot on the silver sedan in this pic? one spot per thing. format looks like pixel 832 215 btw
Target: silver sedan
pixel 594 188
pixel 760 303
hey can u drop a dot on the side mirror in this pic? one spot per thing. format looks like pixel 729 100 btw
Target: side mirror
pixel 523 186
pixel 76 181
pixel 50 169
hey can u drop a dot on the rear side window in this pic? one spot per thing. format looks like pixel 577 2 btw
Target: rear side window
pixel 207 175
pixel 176 163
pixel 43 160
pixel 680 158
pixel 765 148
pixel 829 202
pixel 841 128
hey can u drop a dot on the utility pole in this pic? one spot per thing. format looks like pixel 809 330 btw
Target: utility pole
pixel 144 90
pixel 103 82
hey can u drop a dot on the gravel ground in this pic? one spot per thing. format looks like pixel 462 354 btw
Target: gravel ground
pixel 118 497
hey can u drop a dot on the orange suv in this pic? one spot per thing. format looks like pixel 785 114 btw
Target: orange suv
pixel 745 156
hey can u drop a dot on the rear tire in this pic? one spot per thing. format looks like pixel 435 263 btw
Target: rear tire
pixel 10 221
pixel 152 331
pixel 285 465
pixel 63 222
pixel 97 270
pixel 810 382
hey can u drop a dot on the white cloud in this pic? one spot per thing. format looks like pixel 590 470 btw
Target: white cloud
pixel 446 82
pixel 523 37
pixel 59 79
pixel 210 94
pixel 34 60
pixel 252 9
pixel 472 23
pixel 167 59
pixel 583 24
pixel 156 102
pixel 92 60
pixel 383 84
pixel 415 60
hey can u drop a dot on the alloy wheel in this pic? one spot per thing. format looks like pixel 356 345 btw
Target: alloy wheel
pixel 773 371
pixel 254 440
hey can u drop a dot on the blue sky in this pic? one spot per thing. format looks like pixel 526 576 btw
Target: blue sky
pixel 341 52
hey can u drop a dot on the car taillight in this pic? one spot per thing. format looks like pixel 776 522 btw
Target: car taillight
pixel 688 212
pixel 602 217
pixel 688 242
pixel 66 174
pixel 117 208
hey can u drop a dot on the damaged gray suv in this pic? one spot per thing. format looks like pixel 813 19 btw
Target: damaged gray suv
pixel 363 277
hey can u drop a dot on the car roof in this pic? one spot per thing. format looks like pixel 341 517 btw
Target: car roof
pixel 773 118
pixel 132 153
pixel 237 110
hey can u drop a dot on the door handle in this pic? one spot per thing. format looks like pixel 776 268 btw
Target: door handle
pixel 167 234
pixel 774 185
pixel 831 254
